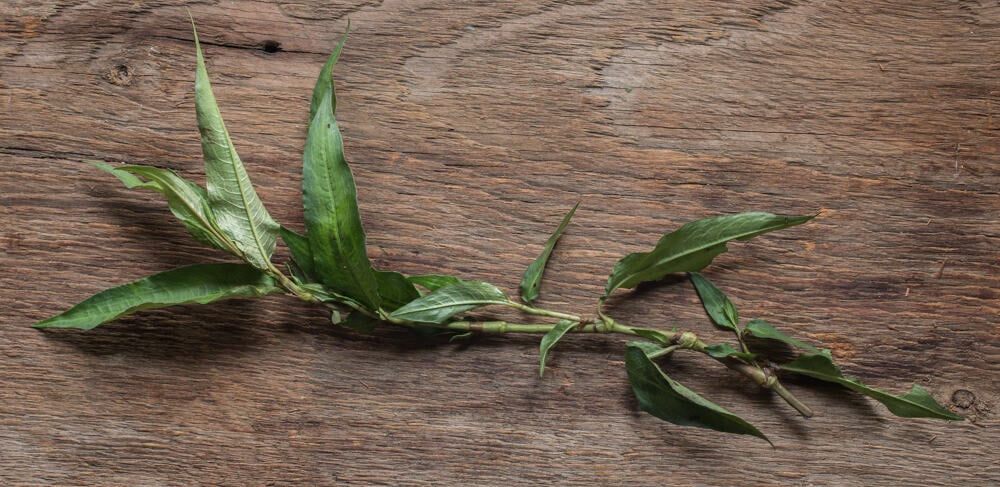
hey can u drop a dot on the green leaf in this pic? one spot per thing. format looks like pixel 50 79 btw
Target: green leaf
pixel 647 347
pixel 298 246
pixel 324 84
pixel 717 305
pixel 724 350
pixel 237 209
pixel 531 281
pixel 199 283
pixel 549 340
pixel 761 329
pixel 693 246
pixel 440 305
pixel 433 282
pixel 915 404
pixel 655 335
pixel 187 201
pixel 360 322
pixel 670 401
pixel 395 290
pixel 333 223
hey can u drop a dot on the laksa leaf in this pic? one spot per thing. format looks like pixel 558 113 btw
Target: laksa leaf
pixel 761 329
pixel 549 340
pixel 187 201
pixel 395 290
pixel 915 404
pixel 442 304
pixel 693 246
pixel 302 261
pixel 531 281
pixel 670 401
pixel 717 305
pixel 237 209
pixel 194 284
pixel 333 223
pixel 433 282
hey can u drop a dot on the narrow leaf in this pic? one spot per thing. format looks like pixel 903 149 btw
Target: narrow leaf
pixel 761 329
pixel 433 282
pixel 693 246
pixel 235 205
pixel 655 335
pixel 717 305
pixel 324 84
pixel 440 305
pixel 531 281
pixel 915 404
pixel 724 350
pixel 670 401
pixel 187 201
pixel 199 283
pixel 298 246
pixel 333 223
pixel 395 290
pixel 549 340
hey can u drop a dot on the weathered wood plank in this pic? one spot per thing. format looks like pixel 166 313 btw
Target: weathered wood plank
pixel 499 116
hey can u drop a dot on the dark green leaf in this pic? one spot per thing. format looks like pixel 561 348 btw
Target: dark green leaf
pixel 670 401
pixel 433 282
pixel 187 201
pixel 549 340
pixel 360 322
pixel 532 278
pixel 761 329
pixel 324 85
pixel 724 350
pixel 395 290
pixel 200 283
pixel 647 347
pixel 717 305
pixel 693 246
pixel 237 209
pixel 298 246
pixel 333 223
pixel 915 404
pixel 440 305
pixel 655 335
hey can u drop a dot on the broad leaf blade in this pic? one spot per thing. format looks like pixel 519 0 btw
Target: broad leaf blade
pixel 761 329
pixel 235 205
pixel 395 290
pixel 531 281
pixel 333 223
pixel 693 246
pixel 717 305
pixel 199 283
pixel 187 201
pixel 670 401
pixel 549 340
pixel 440 305
pixel 915 404
pixel 433 282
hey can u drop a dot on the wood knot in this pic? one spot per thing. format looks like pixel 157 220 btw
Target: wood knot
pixel 120 75
pixel 963 398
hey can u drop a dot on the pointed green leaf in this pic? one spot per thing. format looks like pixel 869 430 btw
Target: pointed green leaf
pixel 915 404
pixel 395 290
pixel 670 401
pixel 187 201
pixel 761 329
pixel 647 347
pixel 324 85
pixel 333 223
pixel 298 246
pixel 724 350
pixel 549 340
pixel 199 283
pixel 360 322
pixel 655 335
pixel 440 305
pixel 235 205
pixel 531 281
pixel 433 282
pixel 717 305
pixel 693 246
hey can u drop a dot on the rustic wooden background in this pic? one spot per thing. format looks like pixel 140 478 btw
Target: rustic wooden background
pixel 472 127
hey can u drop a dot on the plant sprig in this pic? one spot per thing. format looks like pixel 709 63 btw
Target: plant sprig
pixel 330 267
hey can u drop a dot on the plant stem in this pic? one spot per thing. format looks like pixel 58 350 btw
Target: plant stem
pixel 543 312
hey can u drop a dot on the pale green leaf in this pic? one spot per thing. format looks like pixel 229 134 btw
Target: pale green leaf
pixel 440 305
pixel 549 340
pixel 199 283
pixel 693 246
pixel 670 401
pixel 717 305
pixel 531 281
pixel 915 404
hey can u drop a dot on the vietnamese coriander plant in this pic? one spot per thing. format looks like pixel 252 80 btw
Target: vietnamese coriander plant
pixel 330 267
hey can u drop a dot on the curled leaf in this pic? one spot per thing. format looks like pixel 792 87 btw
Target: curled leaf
pixel 448 301
pixel 549 340
pixel 194 284
pixel 531 281
pixel 915 404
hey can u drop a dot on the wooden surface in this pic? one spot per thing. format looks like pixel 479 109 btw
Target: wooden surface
pixel 471 129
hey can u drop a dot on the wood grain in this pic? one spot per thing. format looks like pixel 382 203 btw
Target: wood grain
pixel 472 127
